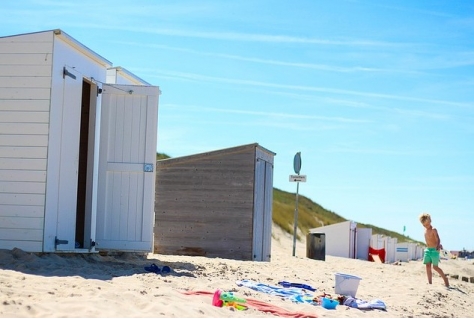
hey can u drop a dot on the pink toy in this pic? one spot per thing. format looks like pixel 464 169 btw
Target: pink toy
pixel 216 300
pixel 221 299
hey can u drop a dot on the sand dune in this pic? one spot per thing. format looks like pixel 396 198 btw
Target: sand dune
pixel 53 285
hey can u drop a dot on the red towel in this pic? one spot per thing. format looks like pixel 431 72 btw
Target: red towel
pixel 262 306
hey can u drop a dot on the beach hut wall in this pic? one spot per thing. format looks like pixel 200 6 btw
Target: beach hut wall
pixel 70 181
pixel 216 204
pixel 341 239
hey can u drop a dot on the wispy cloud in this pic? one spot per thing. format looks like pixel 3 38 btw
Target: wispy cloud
pixel 311 66
pixel 200 78
pixel 275 115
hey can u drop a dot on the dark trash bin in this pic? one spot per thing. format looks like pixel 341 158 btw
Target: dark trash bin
pixel 316 246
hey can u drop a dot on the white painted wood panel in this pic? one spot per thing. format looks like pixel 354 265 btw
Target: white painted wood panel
pixel 35 164
pixel 35 37
pixel 22 234
pixel 14 222
pixel 23 152
pixel 26 47
pixel 22 176
pixel 23 140
pixel 23 117
pixel 69 161
pixel 22 187
pixel 25 81
pixel 23 128
pixel 22 199
pixel 126 192
pixel 22 211
pixel 32 246
pixel 24 105
pixel 25 70
pixel 83 65
pixel 25 58
pixel 25 93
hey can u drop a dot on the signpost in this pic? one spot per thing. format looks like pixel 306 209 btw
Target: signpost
pixel 296 178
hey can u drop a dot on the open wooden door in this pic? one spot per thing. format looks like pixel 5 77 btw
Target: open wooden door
pixel 63 224
pixel 127 165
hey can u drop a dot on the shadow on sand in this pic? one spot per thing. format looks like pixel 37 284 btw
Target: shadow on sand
pixel 88 266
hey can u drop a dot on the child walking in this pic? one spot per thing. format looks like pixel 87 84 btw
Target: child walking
pixel 431 255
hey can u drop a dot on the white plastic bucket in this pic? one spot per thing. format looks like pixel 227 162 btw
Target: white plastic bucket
pixel 346 284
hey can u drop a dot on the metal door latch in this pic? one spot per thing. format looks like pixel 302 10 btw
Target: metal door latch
pixel 59 242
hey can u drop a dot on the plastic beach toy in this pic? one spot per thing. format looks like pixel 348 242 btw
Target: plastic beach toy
pixel 216 300
pixel 329 303
pixel 221 299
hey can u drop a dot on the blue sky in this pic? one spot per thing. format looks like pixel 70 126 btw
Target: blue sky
pixel 378 96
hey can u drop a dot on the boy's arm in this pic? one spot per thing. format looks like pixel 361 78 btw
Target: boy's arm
pixel 438 240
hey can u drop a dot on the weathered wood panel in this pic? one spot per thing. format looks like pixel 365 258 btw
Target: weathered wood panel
pixel 204 204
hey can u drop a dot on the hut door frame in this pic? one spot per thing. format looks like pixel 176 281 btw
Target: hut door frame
pixel 74 231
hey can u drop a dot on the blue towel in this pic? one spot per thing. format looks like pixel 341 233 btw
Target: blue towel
pixel 297 295
pixel 287 284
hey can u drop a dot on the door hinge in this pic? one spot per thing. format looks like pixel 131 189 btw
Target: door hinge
pixel 59 242
pixel 66 72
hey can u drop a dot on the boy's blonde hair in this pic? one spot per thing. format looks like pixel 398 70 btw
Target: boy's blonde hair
pixel 424 217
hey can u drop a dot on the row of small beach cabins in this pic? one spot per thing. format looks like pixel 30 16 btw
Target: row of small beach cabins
pixel 347 240
pixel 78 169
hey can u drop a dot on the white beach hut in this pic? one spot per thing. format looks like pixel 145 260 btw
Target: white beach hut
pixel 341 239
pixel 77 155
pixel 364 236
pixel 405 251
pixel 391 249
pixel 388 244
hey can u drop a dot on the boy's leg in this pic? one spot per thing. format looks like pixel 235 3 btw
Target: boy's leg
pixel 435 260
pixel 441 273
pixel 429 273
pixel 427 262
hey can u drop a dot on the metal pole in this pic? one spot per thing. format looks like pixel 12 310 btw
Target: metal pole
pixel 296 218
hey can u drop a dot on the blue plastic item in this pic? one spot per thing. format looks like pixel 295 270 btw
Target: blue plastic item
pixel 329 303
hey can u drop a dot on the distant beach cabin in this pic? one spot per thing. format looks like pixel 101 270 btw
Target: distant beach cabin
pixel 346 240
pixel 384 247
pixel 77 148
pixel 216 204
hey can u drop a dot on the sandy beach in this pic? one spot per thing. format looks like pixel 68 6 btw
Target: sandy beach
pixel 117 285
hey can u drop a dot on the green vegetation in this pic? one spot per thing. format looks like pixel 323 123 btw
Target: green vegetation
pixel 310 214
pixel 160 156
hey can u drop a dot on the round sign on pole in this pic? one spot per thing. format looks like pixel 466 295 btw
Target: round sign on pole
pixel 297 163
